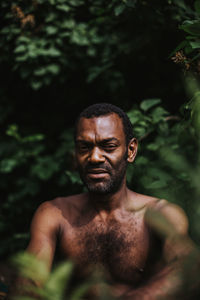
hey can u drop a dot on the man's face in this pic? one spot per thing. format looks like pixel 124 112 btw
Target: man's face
pixel 101 153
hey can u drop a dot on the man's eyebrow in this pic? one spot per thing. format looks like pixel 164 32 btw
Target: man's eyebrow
pixel 102 141
pixel 110 140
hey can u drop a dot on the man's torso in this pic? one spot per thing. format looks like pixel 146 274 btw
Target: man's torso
pixel 121 244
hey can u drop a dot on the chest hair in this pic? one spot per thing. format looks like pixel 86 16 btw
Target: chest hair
pixel 112 246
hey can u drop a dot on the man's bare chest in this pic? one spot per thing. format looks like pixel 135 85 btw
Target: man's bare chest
pixel 121 248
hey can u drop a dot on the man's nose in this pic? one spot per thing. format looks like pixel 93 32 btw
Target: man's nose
pixel 96 156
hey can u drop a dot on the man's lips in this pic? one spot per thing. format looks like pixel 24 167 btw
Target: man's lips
pixel 97 173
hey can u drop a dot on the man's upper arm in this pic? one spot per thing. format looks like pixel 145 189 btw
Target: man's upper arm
pixel 175 215
pixel 44 229
pixel 170 222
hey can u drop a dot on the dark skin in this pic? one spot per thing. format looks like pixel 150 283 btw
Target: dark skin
pixel 114 230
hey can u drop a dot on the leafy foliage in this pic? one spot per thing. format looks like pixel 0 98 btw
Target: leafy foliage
pixel 45 45
pixel 54 285
pixel 48 40
pixel 189 57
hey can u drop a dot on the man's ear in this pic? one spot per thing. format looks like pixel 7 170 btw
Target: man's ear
pixel 132 150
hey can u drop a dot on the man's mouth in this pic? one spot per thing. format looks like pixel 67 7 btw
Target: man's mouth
pixel 97 173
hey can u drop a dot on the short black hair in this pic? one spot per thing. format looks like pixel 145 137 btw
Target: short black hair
pixel 101 109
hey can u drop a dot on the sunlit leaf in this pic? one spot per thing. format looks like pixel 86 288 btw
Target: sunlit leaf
pixel 149 103
pixel 63 7
pixel 31 267
pixel 119 9
pixel 191 27
pixel 195 45
pixel 59 279
pixel 53 68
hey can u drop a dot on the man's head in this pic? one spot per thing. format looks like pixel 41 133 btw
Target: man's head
pixel 102 109
pixel 104 144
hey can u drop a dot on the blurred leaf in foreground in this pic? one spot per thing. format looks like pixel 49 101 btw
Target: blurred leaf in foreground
pixel 37 283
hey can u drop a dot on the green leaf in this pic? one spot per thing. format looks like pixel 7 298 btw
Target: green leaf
pixel 13 131
pixel 51 16
pixel 40 71
pixel 33 138
pixel 59 279
pixel 24 39
pixel 191 27
pixel 156 178
pixel 79 292
pixel 188 49
pixel 7 165
pixel 61 1
pixel 51 30
pixel 119 9
pixel 53 69
pixel 158 114
pixel 36 85
pixel 5 30
pixel 45 167
pixel 142 160
pixel 195 45
pixel 20 48
pixel 181 4
pixel 91 51
pixel 139 131
pixel 134 115
pixel 52 2
pixel 76 2
pixel 31 267
pixel 69 24
pixel 149 103
pixel 21 58
pixel 54 52
pixel 153 146
pixel 163 128
pixel 130 3
pixel 96 71
pixel 74 177
pixel 63 7
pixel 79 37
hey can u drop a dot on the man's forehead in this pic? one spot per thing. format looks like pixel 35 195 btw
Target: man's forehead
pixel 105 126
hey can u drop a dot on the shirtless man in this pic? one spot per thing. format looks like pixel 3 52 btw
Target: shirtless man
pixel 110 225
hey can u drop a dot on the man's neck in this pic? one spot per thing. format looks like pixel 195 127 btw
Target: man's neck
pixel 111 201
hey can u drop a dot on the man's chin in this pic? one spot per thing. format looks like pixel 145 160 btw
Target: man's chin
pixel 100 188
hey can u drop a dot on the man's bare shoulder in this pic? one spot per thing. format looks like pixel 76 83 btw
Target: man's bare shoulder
pixel 160 214
pixel 75 201
pixel 139 202
pixel 172 212
pixel 52 212
pixel 55 206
